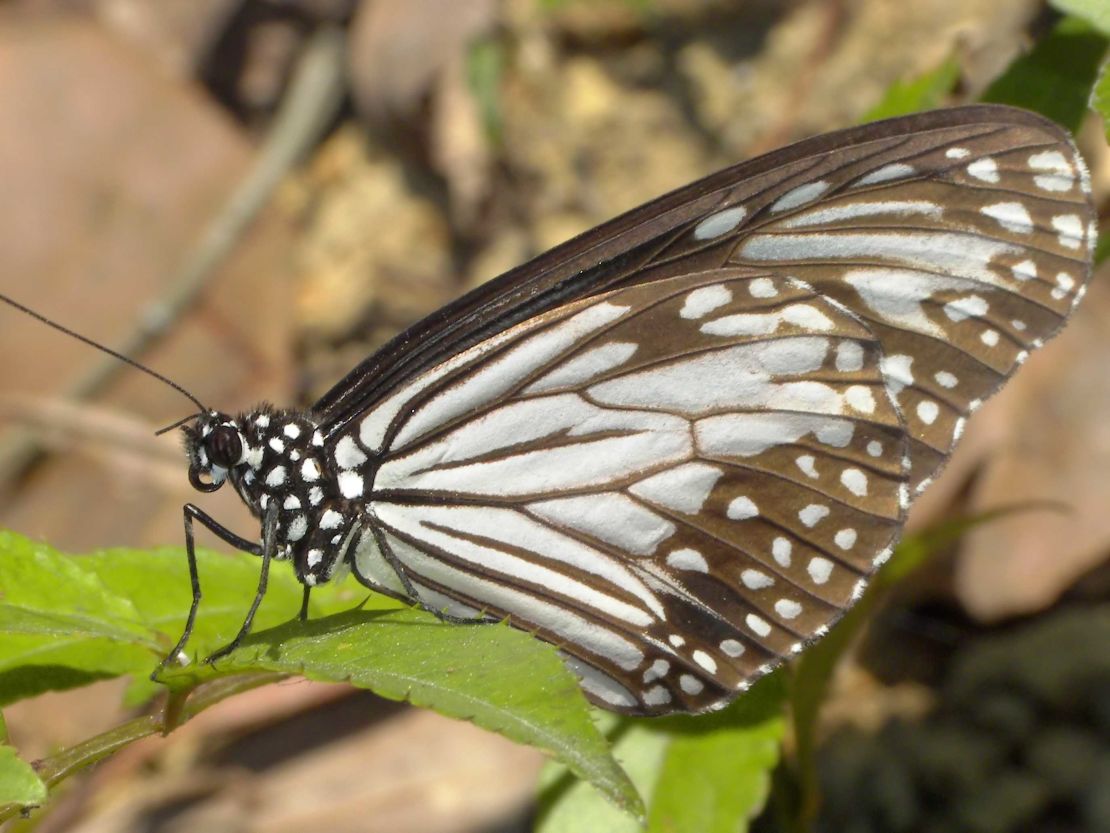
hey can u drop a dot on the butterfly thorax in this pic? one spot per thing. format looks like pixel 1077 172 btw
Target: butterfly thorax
pixel 277 462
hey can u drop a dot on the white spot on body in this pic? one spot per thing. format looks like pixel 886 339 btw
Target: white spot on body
pixel 800 196
pixel 315 495
pixel 262 420
pixel 813 514
pixel 310 470
pixel 330 519
pixel 292 431
pixel 704 300
pixel 350 484
pixel 720 223
pixel 291 502
pixel 1012 216
pixel 275 477
pixel 347 453
pixel 315 557
pixel 742 508
pixel 277 445
pixel 297 528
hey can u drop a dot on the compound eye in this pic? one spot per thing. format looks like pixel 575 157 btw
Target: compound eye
pixel 224 446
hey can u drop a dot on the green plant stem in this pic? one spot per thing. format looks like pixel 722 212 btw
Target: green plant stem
pixel 180 707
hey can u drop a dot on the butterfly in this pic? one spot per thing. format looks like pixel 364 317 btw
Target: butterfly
pixel 678 445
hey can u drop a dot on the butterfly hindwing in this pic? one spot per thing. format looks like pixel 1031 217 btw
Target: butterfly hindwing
pixel 677 483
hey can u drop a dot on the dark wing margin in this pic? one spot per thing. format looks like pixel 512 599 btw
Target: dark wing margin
pixel 631 248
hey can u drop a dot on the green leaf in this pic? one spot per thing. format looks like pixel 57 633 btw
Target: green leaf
pixel 1100 103
pixel 925 92
pixel 60 626
pixel 699 773
pixel 18 782
pixel 485 69
pixel 1095 12
pixel 1056 76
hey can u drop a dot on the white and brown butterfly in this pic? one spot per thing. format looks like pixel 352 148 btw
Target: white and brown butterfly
pixel 678 445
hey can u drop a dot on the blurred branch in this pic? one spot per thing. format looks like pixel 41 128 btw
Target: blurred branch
pixel 309 107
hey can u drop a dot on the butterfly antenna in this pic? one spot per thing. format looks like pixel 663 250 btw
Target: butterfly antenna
pixel 103 349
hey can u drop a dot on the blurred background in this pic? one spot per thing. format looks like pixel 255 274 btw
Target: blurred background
pixel 251 195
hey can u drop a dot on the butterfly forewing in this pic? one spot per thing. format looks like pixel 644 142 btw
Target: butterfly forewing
pixel 678 445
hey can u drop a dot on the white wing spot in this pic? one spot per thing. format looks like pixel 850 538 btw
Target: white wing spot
pixel 860 399
pixel 989 338
pixel 895 170
pixel 787 608
pixel 742 508
pixel 927 411
pixel 758 625
pixel 946 379
pixel 762 288
pixel 657 671
pixel 720 223
pixel 676 640
pixel 813 514
pixel 657 696
pixel 1012 216
pixel 897 372
pixel 849 356
pixel 1018 325
pixel 957 153
pixel 350 484
pixel 687 559
pixel 704 300
pixel 837 433
pixel 985 169
pixel 1058 176
pixel 1069 230
pixel 800 195
pixel 855 481
pixel 781 549
pixel 806 464
pixel 684 488
pixel 970 306
pixel 1025 271
pixel 1064 284
pixel 845 539
pixel 875 448
pixel 705 661
pixel 755 580
pixel 690 684
pixel 732 648
pixel 819 569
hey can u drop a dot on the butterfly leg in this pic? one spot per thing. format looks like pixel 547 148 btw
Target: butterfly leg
pixel 269 535
pixel 191 513
pixel 303 615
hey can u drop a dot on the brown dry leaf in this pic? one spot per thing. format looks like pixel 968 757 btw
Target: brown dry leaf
pixel 110 173
pixel 1056 448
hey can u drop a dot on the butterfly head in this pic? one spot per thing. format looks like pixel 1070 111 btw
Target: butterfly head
pixel 215 445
